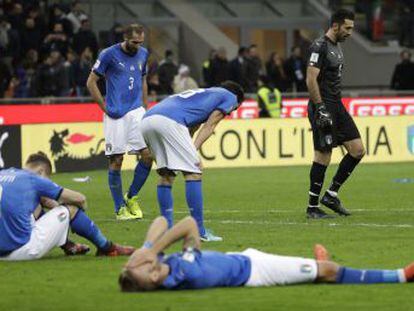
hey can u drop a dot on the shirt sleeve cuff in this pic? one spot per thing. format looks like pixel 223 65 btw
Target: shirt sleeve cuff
pixel 58 194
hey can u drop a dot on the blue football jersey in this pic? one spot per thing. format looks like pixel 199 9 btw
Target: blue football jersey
pixel 193 107
pixel 123 73
pixel 20 193
pixel 195 269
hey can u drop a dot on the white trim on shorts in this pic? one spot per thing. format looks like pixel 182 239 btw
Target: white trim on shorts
pixel 270 270
pixel 171 144
pixel 51 230
pixel 123 135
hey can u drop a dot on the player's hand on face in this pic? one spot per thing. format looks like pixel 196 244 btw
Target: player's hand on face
pixel 143 256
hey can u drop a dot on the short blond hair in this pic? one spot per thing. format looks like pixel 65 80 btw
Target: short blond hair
pixel 127 283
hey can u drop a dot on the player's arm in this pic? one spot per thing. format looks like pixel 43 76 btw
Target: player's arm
pixel 312 83
pixel 208 128
pixel 186 230
pixel 144 92
pixel 48 203
pixel 73 197
pixel 158 227
pixel 92 85
pixel 46 188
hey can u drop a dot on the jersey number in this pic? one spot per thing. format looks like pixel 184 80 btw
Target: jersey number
pixel 189 93
pixel 131 83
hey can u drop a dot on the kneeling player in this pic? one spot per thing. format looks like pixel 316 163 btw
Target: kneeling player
pixel 24 238
pixel 147 269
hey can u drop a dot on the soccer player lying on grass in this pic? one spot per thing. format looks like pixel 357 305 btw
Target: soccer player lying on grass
pixel 24 238
pixel 148 269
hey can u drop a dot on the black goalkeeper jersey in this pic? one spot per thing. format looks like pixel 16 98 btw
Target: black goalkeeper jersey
pixel 328 57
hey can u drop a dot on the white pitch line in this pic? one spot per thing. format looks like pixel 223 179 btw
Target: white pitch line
pixel 236 211
pixel 252 222
pixel 275 223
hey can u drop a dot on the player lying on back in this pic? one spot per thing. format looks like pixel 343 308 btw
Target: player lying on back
pixel 24 238
pixel 167 129
pixel 149 269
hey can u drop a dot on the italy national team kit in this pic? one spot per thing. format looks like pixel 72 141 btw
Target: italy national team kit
pixel 124 74
pixel 165 126
pixel 196 269
pixel 20 193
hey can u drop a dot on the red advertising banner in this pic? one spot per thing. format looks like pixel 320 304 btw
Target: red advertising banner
pixel 292 108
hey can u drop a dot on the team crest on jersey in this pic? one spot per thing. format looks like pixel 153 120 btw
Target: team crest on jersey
pixel 62 216
pixel 132 68
pixel 108 147
pixel 188 256
pixel 306 268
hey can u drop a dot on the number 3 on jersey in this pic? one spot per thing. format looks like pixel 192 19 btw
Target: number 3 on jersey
pixel 131 83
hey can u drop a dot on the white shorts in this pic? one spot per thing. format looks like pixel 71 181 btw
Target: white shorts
pixel 269 270
pixel 123 135
pixel 50 231
pixel 171 144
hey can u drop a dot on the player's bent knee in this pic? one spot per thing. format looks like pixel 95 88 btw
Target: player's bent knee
pixel 323 158
pixel 72 210
pixel 192 176
pixel 166 176
pixel 359 153
pixel 115 161
pixel 146 157
pixel 327 271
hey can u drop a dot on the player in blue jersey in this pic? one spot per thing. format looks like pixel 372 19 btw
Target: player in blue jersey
pixel 22 237
pixel 167 129
pixel 149 269
pixel 123 66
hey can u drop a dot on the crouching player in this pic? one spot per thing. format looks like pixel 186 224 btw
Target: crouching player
pixel 148 269
pixel 167 129
pixel 24 238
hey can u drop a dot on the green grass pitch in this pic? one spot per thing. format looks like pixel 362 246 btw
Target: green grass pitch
pixel 250 207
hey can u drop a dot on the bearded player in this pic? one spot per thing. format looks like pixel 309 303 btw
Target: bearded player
pixel 123 66
pixel 331 123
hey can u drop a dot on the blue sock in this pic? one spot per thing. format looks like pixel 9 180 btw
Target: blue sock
pixel 165 202
pixel 355 276
pixel 194 196
pixel 82 225
pixel 140 176
pixel 115 184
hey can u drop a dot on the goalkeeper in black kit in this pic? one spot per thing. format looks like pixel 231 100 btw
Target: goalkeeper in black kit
pixel 331 123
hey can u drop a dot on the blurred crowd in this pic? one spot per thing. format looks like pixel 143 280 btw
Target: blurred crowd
pixel 382 16
pixel 249 70
pixel 45 51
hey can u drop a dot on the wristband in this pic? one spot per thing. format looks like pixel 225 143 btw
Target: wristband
pixel 147 245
